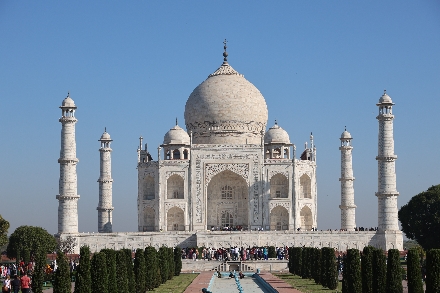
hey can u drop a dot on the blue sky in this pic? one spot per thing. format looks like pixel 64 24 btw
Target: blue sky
pixel 131 65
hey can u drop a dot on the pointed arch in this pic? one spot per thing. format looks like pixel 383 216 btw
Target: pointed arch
pixel 227 200
pixel 175 187
pixel 305 184
pixel 149 219
pixel 175 219
pixel 279 218
pixel 148 188
pixel 306 218
pixel 279 186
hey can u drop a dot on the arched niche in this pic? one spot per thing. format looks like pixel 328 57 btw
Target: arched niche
pixel 148 188
pixel 227 201
pixel 175 219
pixel 278 186
pixel 306 218
pixel 305 186
pixel 279 218
pixel 149 219
pixel 175 187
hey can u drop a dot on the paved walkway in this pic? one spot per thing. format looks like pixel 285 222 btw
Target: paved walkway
pixel 200 282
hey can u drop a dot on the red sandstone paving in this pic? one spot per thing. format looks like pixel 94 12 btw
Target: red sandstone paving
pixel 200 282
pixel 278 284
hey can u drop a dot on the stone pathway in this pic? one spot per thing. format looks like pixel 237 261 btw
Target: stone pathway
pixel 200 282
pixel 278 284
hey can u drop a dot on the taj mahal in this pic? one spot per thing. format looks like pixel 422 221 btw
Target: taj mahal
pixel 227 171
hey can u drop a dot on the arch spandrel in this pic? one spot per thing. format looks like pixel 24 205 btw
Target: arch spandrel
pixel 241 169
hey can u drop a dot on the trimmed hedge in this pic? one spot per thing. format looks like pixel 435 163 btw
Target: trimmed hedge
pixel 121 276
pixel 433 271
pixel 99 273
pixel 139 271
pixel 379 271
pixel 177 261
pixel 352 272
pixel 61 282
pixel 153 279
pixel 329 273
pixel 394 272
pixel 83 282
pixel 367 269
pixel 414 272
pixel 110 256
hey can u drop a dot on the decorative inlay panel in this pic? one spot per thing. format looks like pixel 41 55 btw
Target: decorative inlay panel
pixel 171 173
pixel 181 206
pixel 241 169
pixel 274 204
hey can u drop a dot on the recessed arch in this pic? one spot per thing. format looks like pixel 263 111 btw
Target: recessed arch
pixel 279 218
pixel 175 219
pixel 306 218
pixel 305 184
pixel 148 188
pixel 227 201
pixel 149 219
pixel 278 186
pixel 175 187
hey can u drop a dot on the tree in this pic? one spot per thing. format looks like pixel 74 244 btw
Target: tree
pixel 99 273
pixel 36 243
pixel 163 264
pixel 177 261
pixel 291 258
pixel 379 271
pixel 171 267
pixel 317 265
pixel 330 274
pixel 394 272
pixel 151 268
pixel 352 272
pixel 110 258
pixel 61 282
pixel 130 271
pixel 4 227
pixel 139 270
pixel 121 276
pixel 367 269
pixel 433 271
pixel 414 271
pixel 420 218
pixel 83 282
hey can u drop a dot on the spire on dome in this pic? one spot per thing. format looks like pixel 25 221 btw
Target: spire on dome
pixel 225 54
pixel 176 121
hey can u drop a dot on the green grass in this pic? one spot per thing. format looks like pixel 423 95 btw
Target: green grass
pixel 177 285
pixel 306 285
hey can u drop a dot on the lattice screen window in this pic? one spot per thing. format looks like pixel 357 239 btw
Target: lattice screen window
pixel 226 192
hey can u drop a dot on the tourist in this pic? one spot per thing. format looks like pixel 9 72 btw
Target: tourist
pixel 241 275
pixel 15 284
pixel 6 285
pixel 25 282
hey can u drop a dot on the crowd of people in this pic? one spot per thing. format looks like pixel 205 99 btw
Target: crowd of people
pixel 234 253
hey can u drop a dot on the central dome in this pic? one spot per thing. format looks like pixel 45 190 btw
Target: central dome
pixel 226 109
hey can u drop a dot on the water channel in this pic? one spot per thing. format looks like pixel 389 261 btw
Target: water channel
pixel 249 284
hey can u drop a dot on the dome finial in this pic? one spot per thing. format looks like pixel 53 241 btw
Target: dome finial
pixel 68 94
pixel 345 128
pixel 176 121
pixel 105 129
pixel 276 123
pixel 384 92
pixel 225 54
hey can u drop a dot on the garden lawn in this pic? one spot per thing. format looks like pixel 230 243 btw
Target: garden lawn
pixel 177 285
pixel 306 285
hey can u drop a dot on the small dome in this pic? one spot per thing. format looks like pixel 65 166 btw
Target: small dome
pixel 276 134
pixel 68 102
pixel 105 136
pixel 385 99
pixel 176 135
pixel 346 135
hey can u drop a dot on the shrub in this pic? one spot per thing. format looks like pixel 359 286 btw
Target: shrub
pixel 177 261
pixel 367 269
pixel 317 265
pixel 328 269
pixel 433 271
pixel 130 271
pixel 99 273
pixel 163 264
pixel 61 282
pixel 379 271
pixel 414 272
pixel 291 258
pixel 83 281
pixel 170 259
pixel 352 272
pixel 139 270
pixel 110 256
pixel 271 252
pixel 394 272
pixel 121 276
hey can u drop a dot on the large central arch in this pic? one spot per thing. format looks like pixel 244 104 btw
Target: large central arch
pixel 227 201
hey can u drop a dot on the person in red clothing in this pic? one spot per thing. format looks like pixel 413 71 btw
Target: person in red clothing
pixel 25 282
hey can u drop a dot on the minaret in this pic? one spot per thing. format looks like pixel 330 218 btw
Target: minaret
pixel 105 180
pixel 348 208
pixel 68 197
pixel 387 193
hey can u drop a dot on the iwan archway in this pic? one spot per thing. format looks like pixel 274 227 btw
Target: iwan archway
pixel 227 201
